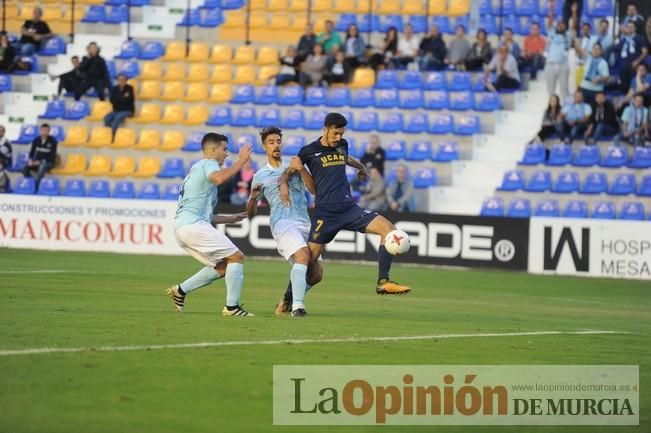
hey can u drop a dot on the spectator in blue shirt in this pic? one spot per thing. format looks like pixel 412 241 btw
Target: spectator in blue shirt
pixel 354 47
pixel 576 117
pixel 632 16
pixel 631 51
pixel 640 83
pixel 604 38
pixel 596 73
pixel 559 41
pixel 635 121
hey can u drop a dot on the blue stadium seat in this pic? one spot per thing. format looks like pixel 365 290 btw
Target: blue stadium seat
pixel 487 101
pixel 353 149
pixel 113 73
pixel 513 180
pixel 130 49
pixel 442 124
pixel 124 189
pixel 594 183
pixel 209 4
pixel 528 8
pixel 461 101
pixel 77 111
pixel 420 151
pixel 293 119
pixel 560 154
pixel 367 121
pixel 74 188
pixel 417 123
pixel 412 99
pixel 351 173
pixel 575 209
pixel 291 95
pixel 411 80
pixel 424 178
pixel 246 116
pixel 462 21
pixel 623 184
pixel 488 23
pixel 267 95
pixel 130 68
pixel 467 125
pixel 99 188
pixel 519 208
pixel 460 81
pixel 151 50
pixel 616 156
pixel 395 150
pixel 211 18
pixel 447 151
pixel 27 134
pixel 486 7
pixel 20 162
pixel 418 23
pixel 539 181
pixel 344 21
pixel 507 7
pixel 387 98
pixel 190 18
pixel 601 8
pixel 49 186
pixel 443 23
pixel 479 86
pixel 172 167
pixel 269 117
pixel 94 14
pixel 644 188
pixel 632 210
pixel 193 142
pixel 437 100
pixel 25 185
pixel 293 144
pixel 115 2
pixel 220 116
pixel 604 210
pixel 547 208
pixel 392 21
pixel 149 191
pixel 5 83
pixel 387 79
pixel 348 115
pixel 641 157
pixel 117 15
pixel 171 192
pixel 53 47
pixel 492 207
pixel 316 119
pixel 363 98
pixel 435 80
pixel 232 4
pixel 338 97
pixel 392 122
pixel 369 23
pixel 243 94
pixel 587 156
pixel 315 96
pixel 534 154
pixel 32 61
pixel 513 22
pixel 57 132
pixel 54 109
pixel 567 182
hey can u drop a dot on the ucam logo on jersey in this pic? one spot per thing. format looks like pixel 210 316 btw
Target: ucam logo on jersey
pixel 597 248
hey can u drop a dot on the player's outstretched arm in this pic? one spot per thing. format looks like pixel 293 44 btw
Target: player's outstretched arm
pixel 228 219
pixel 362 174
pixel 297 164
pixel 252 204
pixel 221 176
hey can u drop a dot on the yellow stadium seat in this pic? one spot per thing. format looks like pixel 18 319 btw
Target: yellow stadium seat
pixel 151 71
pixel 267 56
pixel 220 93
pixel 277 6
pixel 174 51
pixel 149 89
pixel 100 165
pixel 265 74
pixel 244 54
pixel 92 2
pixel 80 11
pixel 148 167
pixel 221 74
pixel 437 7
pixel 363 78
pixel 175 72
pixel 363 6
pixel 197 115
pixel 298 5
pixel 245 75
pixel 76 136
pixel 258 5
pixel 235 19
pixel 149 139
pixel 101 136
pixel 11 11
pixel 149 113
pixel 319 25
pixel 199 52
pixel 299 24
pixel 458 8
pixel 258 20
pixel 173 140
pixel 198 72
pixel 221 54
pixel 413 7
pixel 75 164
pixel 173 114
pixel 389 7
pixel 344 7
pixel 280 22
pixel 319 6
pixel 124 139
pixel 123 166
pixel 196 92
pixel 99 111
pixel 50 13
pixel 173 91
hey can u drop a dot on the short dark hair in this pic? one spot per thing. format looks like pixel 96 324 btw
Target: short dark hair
pixel 74 57
pixel 586 23
pixel 509 29
pixel 640 94
pixel 45 125
pixel 122 74
pixel 604 20
pixel 270 130
pixel 212 137
pixel 335 119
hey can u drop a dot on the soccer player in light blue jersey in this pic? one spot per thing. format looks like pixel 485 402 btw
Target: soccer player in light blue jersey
pixel 290 225
pixel 194 226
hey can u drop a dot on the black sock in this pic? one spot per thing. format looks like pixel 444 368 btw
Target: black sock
pixel 181 291
pixel 384 263
pixel 229 308
pixel 288 294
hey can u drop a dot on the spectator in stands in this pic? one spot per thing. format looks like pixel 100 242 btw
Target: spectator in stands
pixel 576 116
pixel 432 51
pixel 400 191
pixel 559 41
pixel 480 53
pixel 355 48
pixel 374 155
pixel 5 160
pixel 512 45
pixel 632 16
pixel 571 9
pixel 306 43
pixel 34 33
pixel 71 79
pixel 379 60
pixel 408 45
pixel 582 43
pixel 329 37
pixel 42 155
pixel 288 64
pixel 94 72
pixel 631 51
pixel 534 50
pixel 641 83
pixel 7 53
pixel 635 122
pixel 596 73
pixel 552 122
pixel 603 120
pixel 458 49
pixel 242 184
pixel 313 68
pixel 373 194
pixel 338 72
pixel 505 67
pixel 604 38
pixel 124 104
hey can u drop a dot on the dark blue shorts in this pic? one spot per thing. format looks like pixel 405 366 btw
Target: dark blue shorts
pixel 327 223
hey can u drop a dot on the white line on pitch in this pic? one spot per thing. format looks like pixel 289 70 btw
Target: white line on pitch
pixel 39 271
pixel 46 350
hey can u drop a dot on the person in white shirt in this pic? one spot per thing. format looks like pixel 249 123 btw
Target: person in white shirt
pixel 408 46
pixel 506 69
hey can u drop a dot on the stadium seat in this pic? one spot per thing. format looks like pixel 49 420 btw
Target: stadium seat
pixel 174 51
pixel 171 192
pixel 437 100
pixel 420 151
pixel 487 101
pixel 587 156
pixel 147 167
pixel 362 98
pixel 20 162
pixel 435 80
pixel 57 132
pixel 492 207
pixel 245 117
pixel 396 150
pixel 245 74
pixel 534 154
pixel 291 95
pixel 220 116
pixel 315 96
pixel 211 18
pixel 461 101
pixel 528 8
pixel 641 158
pixel 519 208
pixel 101 136
pixel 424 178
pixel 123 166
pixel 151 71
pixel 488 23
pixel 442 124
pixel 547 208
pixel 151 50
pixel 173 140
pixel 74 188
pixel 199 52
pixel 315 120
pixel 363 78
pixel 149 191
pixel 49 186
pixel 149 139
pixel 75 163
pixel 100 165
pixel 560 154
pixel 25 185
pixel 467 125
pixel 267 95
pixel 175 72
pixel 243 94
pixel 27 134
pixel 94 14
pixel 173 91
pixel 196 92
pixel 412 99
pixel 54 109
pixel 197 115
pixel 447 151
pixel 99 111
pixel 193 142
pixel 338 97
pixel 244 55
pixel 632 211
pixel 369 23
pixel 76 136
pixel 623 184
pixel 575 209
pixel 117 15
pixel 77 111
pixel 172 167
pixel 149 113
pixel 5 83
pixel 221 74
pixel 594 183
pixel 99 189
pixel 267 56
pixel 266 75
pixel 600 8
pixel 513 180
pixel 367 121
pixel 387 79
pixel 173 114
pixel 198 72
pixel 293 144
pixel 221 54
pixel 460 81
pixel 130 68
pixel 392 122
pixel 149 89
pixel 539 181
pixel 616 156
pixel 387 98
pixel 417 123
pixel 269 117
pixel 644 188
pixel 293 119
pixel 124 189
pixel 567 182
pixel 124 138
pixel 392 21
pixel 604 210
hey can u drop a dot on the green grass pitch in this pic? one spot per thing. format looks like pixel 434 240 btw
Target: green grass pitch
pixel 114 300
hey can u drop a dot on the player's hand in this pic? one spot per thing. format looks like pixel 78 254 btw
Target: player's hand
pixel 362 174
pixel 284 195
pixel 296 164
pixel 255 193
pixel 245 153
pixel 238 217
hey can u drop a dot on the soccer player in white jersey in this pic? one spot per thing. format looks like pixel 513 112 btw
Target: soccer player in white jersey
pixel 194 230
pixel 290 225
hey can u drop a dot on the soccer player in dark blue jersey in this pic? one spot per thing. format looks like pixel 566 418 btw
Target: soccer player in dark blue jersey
pixel 327 158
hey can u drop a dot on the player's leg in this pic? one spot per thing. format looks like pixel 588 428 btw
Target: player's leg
pixel 314 269
pixel 292 245
pixel 382 226
pixel 298 281
pixel 234 277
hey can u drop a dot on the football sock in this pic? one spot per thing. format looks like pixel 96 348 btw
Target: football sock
pixel 384 263
pixel 202 278
pixel 299 285
pixel 234 281
pixel 288 293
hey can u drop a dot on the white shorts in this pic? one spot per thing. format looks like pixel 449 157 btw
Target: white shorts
pixel 205 243
pixel 290 236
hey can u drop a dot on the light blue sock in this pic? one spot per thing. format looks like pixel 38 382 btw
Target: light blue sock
pixel 234 281
pixel 202 278
pixel 299 285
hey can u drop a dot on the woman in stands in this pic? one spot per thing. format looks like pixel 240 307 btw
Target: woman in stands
pixel 551 124
pixel 354 47
pixel 390 47
pixel 480 53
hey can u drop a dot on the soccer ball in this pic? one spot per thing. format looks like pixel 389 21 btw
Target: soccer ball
pixel 397 242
